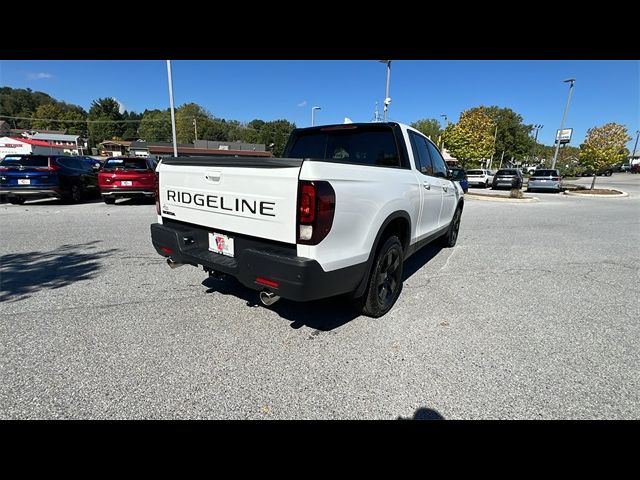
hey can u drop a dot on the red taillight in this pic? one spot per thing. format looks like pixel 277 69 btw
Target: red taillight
pixel 166 250
pixel 156 191
pixel 555 179
pixel 316 206
pixel 53 167
pixel 4 169
pixel 307 203
pixel 268 283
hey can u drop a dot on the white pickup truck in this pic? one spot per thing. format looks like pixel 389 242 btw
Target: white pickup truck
pixel 338 214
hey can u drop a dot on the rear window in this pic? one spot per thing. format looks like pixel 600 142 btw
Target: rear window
pixel 9 161
pixel 372 145
pixel 507 172
pixel 475 172
pixel 544 173
pixel 457 174
pixel 126 164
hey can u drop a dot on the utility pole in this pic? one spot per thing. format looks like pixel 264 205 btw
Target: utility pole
pixel 195 125
pixel 570 81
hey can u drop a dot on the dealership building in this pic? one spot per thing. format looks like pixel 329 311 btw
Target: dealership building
pixel 26 146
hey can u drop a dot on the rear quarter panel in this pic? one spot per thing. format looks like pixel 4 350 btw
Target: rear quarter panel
pixel 365 197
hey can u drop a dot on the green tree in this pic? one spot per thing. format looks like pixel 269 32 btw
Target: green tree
pixel 277 133
pixel 76 127
pixel 604 147
pixel 471 139
pixel 215 130
pixel 107 112
pixel 45 117
pixel 185 116
pixel 430 127
pixel 155 126
pixel 513 136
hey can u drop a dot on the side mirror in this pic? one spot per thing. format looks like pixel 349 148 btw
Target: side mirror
pixel 449 174
pixel 96 167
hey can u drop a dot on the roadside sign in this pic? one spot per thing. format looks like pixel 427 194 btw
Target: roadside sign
pixel 565 136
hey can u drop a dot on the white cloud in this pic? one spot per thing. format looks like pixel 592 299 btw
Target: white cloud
pixel 38 76
pixel 121 106
pixel 303 103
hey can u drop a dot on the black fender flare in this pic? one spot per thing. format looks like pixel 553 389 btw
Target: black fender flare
pixel 359 291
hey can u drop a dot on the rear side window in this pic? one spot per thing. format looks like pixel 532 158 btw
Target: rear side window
pixel 371 145
pixel 16 161
pixel 421 153
pixel 126 164
pixel 439 165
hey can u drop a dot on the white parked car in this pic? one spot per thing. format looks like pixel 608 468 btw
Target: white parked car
pixel 480 178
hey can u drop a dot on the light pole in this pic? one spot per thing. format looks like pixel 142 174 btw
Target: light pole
pixel 387 98
pixel 495 137
pixel 313 111
pixel 195 126
pixel 535 141
pixel 173 113
pixel 570 81
pixel 634 148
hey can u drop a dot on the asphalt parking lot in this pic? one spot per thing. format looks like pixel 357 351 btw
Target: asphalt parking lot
pixel 533 315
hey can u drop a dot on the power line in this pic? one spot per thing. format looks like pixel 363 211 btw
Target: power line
pixel 82 121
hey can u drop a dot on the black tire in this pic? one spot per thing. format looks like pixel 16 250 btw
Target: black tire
pixel 450 238
pixel 385 280
pixel 16 200
pixel 109 200
pixel 76 194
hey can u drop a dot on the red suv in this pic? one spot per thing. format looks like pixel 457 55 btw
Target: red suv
pixel 127 177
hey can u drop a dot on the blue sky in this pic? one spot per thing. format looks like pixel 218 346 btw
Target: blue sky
pixel 605 90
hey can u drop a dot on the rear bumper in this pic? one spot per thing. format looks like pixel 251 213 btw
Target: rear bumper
pixel 544 186
pixel 298 278
pixel 118 192
pixel 30 192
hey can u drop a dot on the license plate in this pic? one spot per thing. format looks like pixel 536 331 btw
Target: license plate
pixel 220 243
pixel 24 181
pixel 126 183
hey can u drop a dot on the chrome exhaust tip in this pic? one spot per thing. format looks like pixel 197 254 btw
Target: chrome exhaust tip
pixel 173 264
pixel 268 298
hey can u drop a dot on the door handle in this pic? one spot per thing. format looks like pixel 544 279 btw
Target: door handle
pixel 426 185
pixel 444 187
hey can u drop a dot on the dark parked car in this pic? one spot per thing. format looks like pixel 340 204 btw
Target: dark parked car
pixel 127 177
pixel 96 164
pixel 460 176
pixel 635 168
pixel 509 178
pixel 25 177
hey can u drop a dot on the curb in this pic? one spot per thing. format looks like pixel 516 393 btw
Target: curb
pixel 487 198
pixel 597 195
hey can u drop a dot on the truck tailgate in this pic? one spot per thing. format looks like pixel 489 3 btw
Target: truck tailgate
pixel 256 197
